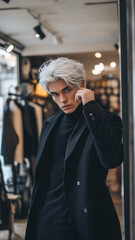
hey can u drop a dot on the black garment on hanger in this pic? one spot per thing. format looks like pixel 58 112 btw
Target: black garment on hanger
pixel 9 136
pixel 29 129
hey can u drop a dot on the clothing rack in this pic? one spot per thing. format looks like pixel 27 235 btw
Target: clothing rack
pixel 14 94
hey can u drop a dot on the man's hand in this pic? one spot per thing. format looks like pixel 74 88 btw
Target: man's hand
pixel 84 95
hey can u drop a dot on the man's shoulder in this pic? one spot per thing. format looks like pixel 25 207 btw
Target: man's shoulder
pixel 48 121
pixel 54 117
pixel 112 115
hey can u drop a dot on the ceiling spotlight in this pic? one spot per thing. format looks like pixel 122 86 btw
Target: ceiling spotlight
pixel 37 35
pixel 99 67
pixel 113 64
pixel 39 32
pixel 98 55
pixel 7 39
pixel 10 48
pixel 95 72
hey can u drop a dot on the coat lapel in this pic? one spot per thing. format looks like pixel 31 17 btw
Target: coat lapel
pixel 76 134
pixel 49 125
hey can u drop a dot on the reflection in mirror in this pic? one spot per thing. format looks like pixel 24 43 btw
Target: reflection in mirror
pixel 89 33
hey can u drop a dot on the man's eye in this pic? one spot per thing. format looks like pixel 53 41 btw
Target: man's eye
pixel 54 94
pixel 68 90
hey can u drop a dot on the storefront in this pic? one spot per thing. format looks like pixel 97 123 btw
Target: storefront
pixel 111 76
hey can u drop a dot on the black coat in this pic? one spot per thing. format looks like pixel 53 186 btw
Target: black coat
pixel 94 147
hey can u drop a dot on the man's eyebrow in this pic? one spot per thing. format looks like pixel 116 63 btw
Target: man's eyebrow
pixel 53 92
pixel 65 88
pixel 61 90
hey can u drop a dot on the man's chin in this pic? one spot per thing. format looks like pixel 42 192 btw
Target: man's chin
pixel 70 110
pixel 67 111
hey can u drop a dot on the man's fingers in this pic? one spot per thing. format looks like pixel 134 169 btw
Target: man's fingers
pixel 84 95
pixel 78 98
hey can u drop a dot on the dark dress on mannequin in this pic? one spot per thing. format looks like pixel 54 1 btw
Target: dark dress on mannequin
pixel 54 220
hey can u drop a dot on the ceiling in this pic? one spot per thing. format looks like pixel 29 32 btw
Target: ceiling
pixel 79 28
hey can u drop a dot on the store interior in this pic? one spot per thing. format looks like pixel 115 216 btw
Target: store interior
pixel 25 104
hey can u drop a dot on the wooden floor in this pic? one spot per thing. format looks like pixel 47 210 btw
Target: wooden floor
pixel 116 196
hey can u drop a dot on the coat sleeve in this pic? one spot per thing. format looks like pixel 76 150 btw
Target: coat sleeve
pixel 106 129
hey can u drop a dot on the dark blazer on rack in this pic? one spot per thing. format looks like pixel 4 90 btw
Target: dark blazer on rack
pixel 10 138
pixel 93 147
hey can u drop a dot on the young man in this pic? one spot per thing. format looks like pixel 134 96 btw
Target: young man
pixel 77 147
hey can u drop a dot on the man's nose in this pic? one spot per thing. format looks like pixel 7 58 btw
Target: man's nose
pixel 63 98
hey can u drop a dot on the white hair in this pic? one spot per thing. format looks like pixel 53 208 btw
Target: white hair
pixel 71 71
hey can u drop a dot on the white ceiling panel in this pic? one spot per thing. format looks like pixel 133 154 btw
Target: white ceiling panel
pixel 79 27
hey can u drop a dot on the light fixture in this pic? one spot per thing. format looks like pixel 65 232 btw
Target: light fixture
pixel 98 68
pixel 37 35
pixel 39 32
pixel 95 72
pixel 56 39
pixel 113 64
pixel 98 55
pixel 7 39
pixel 10 48
pixel 101 66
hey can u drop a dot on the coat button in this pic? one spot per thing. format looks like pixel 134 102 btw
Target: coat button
pixel 78 183
pixel 85 210
pixel 91 115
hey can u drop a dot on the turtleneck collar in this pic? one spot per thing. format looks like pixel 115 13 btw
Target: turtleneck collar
pixel 74 116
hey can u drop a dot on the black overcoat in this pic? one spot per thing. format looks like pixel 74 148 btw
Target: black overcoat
pixel 93 147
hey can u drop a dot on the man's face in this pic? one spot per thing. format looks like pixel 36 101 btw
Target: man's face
pixel 64 95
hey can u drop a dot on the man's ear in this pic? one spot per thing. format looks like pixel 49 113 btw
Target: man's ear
pixel 82 84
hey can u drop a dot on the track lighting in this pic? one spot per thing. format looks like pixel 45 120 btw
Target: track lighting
pixel 10 41
pixel 7 1
pixel 39 32
pixel 10 48
pixel 7 46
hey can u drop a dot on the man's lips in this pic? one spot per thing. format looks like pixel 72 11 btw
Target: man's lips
pixel 66 106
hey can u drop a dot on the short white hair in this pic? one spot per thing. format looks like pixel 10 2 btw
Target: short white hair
pixel 71 71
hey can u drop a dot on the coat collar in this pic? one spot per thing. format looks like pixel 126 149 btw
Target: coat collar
pixel 76 134
pixel 48 128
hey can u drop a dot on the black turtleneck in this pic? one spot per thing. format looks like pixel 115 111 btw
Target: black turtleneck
pixel 54 220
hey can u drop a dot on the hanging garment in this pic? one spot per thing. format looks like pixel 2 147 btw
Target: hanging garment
pixel 29 129
pixel 34 128
pixel 16 117
pixel 39 116
pixel 9 136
